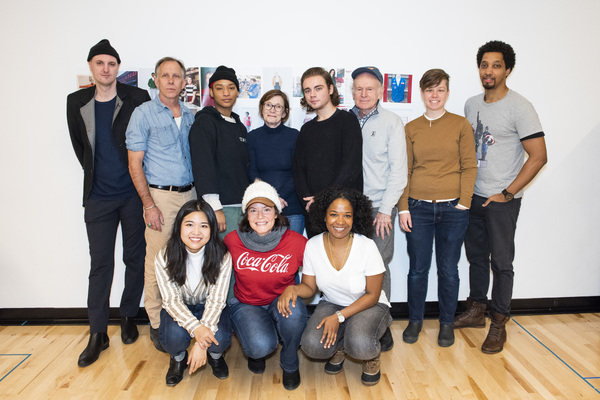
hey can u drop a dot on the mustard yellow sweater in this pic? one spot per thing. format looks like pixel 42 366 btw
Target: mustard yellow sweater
pixel 441 160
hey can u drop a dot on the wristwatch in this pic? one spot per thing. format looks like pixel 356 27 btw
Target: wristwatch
pixel 341 318
pixel 507 195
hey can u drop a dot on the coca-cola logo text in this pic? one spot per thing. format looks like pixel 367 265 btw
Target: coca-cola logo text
pixel 275 263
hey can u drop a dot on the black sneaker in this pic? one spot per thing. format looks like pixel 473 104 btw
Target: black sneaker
pixel 291 380
pixel 387 340
pixel 219 366
pixel 257 365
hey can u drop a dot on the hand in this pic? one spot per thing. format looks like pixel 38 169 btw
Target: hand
pixel 196 358
pixel 221 220
pixel 283 304
pixel 154 218
pixel 382 224
pixel 330 326
pixel 405 221
pixel 204 337
pixel 498 198
pixel 310 200
pixel 283 203
pixel 460 207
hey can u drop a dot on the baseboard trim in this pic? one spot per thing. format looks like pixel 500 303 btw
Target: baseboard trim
pixel 78 316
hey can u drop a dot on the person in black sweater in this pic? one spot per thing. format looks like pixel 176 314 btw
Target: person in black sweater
pixel 329 148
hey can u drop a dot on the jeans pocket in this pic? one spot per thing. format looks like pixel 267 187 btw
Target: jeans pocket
pixel 413 203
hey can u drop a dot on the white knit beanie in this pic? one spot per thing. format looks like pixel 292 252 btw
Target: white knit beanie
pixel 261 192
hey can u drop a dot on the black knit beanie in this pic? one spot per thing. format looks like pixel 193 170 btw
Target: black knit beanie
pixel 103 47
pixel 223 72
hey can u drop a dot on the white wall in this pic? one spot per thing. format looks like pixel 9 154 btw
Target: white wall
pixel 44 258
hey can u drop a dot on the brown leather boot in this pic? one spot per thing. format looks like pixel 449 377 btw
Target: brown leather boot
pixel 473 317
pixel 494 342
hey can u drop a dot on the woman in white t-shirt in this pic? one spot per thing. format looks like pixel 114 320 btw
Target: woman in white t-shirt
pixel 346 267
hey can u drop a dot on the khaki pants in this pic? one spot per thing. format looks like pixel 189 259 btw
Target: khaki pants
pixel 169 204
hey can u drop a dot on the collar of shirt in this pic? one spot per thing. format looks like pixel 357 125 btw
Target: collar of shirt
pixel 362 121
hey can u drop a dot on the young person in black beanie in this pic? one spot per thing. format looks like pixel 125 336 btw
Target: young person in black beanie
pixel 218 151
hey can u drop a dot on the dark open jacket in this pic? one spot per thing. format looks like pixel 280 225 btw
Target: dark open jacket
pixel 82 125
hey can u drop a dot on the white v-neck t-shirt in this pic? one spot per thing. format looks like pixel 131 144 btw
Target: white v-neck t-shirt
pixel 345 286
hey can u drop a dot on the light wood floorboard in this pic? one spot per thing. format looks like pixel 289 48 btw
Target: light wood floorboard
pixel 546 357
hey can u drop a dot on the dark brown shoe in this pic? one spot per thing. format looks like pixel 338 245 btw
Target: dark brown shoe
pixel 473 317
pixel 494 342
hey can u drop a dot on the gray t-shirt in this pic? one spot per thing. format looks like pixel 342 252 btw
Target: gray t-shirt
pixel 499 128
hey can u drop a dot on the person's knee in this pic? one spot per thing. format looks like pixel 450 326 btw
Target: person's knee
pixel 260 346
pixel 361 347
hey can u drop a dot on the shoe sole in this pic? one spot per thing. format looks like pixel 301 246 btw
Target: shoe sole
pixel 445 343
pixel 470 326
pixel 492 352
pixel 334 369
pixel 410 339
pixel 371 382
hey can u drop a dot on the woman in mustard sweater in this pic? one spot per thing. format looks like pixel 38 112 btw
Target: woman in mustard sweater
pixel 441 174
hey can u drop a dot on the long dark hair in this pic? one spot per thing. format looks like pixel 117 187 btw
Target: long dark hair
pixel 175 251
pixel 362 210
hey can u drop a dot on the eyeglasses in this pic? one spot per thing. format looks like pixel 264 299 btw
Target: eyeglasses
pixel 278 107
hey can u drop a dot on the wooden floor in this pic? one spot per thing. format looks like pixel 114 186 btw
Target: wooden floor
pixel 546 357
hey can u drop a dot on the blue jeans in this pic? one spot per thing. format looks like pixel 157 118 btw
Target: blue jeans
pixel 491 235
pixel 359 334
pixel 175 339
pixel 259 328
pixel 296 223
pixel 447 224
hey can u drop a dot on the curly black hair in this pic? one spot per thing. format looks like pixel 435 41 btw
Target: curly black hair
pixel 496 46
pixel 362 209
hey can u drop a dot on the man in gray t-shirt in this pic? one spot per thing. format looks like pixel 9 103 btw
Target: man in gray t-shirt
pixel 506 127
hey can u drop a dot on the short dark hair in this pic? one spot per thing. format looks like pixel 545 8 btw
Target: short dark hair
pixel 165 59
pixel 176 253
pixel 280 221
pixel 434 77
pixel 496 46
pixel 268 96
pixel 318 71
pixel 362 210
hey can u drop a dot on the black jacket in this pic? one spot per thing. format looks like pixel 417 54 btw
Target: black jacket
pixel 82 125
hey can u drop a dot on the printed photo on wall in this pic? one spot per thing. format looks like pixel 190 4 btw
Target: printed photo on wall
pixel 397 88
pixel 250 86
pixel 338 75
pixel 128 78
pixel 146 81
pixel 191 94
pixel 85 81
pixel 277 78
pixel 205 74
pixel 249 117
pixel 297 88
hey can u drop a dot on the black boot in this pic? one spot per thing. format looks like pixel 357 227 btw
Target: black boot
pixel 218 365
pixel 129 332
pixel 176 368
pixel 387 340
pixel 154 336
pixel 97 343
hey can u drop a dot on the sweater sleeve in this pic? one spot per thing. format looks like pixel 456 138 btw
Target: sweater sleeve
pixel 350 171
pixel 403 202
pixel 252 157
pixel 217 296
pixel 398 168
pixel 173 296
pixel 299 167
pixel 468 164
pixel 203 149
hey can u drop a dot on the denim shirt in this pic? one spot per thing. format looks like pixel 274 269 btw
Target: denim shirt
pixel 153 129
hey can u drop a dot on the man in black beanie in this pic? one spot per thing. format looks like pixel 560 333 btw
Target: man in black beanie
pixel 97 118
pixel 218 151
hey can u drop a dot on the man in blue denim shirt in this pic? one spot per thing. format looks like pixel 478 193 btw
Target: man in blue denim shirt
pixel 161 170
